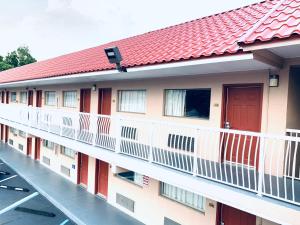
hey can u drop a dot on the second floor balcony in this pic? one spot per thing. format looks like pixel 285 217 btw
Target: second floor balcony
pixel 265 164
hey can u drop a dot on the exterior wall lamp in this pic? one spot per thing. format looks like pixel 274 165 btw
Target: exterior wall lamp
pixel 274 80
pixel 114 56
pixel 94 87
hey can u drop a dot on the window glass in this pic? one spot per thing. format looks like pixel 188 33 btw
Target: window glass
pixel 180 195
pixel 50 98
pixel 70 99
pixel 132 101
pixel 132 177
pixel 48 144
pixel 13 96
pixel 188 103
pixel 23 97
pixel 67 152
pixel 22 133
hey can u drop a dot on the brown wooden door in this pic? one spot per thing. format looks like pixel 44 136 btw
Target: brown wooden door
pixel 39 98
pixel 2 96
pixel 37 152
pixel 2 132
pixel 6 133
pixel 30 97
pixel 85 100
pixel 104 101
pixel 83 163
pixel 243 108
pixel 232 216
pixel 7 97
pixel 29 146
pixel 102 178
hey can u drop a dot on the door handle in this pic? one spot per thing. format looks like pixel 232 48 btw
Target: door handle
pixel 227 125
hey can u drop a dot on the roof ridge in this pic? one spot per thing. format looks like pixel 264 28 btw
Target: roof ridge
pixel 260 22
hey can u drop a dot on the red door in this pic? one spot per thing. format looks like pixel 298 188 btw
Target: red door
pixel 2 132
pixel 104 101
pixel 232 216
pixel 102 178
pixel 6 133
pixel 39 98
pixel 7 97
pixel 37 152
pixel 2 96
pixel 29 146
pixel 243 108
pixel 30 97
pixel 83 163
pixel 85 100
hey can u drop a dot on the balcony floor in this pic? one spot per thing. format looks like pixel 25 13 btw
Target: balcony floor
pixel 75 202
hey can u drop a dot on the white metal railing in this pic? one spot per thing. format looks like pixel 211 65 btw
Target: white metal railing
pixel 261 163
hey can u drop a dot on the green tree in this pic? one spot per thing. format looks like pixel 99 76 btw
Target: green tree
pixel 24 56
pixel 20 57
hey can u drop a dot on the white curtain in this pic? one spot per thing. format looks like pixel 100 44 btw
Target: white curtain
pixel 70 98
pixel 23 97
pixel 175 102
pixel 132 101
pixel 50 98
pixel 183 196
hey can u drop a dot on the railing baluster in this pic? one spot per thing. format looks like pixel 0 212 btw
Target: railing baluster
pixel 261 166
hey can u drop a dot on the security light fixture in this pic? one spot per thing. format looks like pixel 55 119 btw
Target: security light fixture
pixel 94 87
pixel 274 80
pixel 114 56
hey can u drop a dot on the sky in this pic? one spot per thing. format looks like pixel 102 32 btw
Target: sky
pixel 55 27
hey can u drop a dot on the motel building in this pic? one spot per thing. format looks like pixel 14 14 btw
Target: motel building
pixel 197 123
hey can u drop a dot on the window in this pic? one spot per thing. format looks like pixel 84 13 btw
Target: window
pixel 187 103
pixel 23 97
pixel 13 96
pixel 132 177
pixel 182 196
pixel 132 101
pixel 22 133
pixel 50 98
pixel 67 152
pixel 70 99
pixel 48 144
pixel 13 131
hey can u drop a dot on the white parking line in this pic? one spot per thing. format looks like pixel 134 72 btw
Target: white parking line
pixel 18 203
pixel 8 178
pixel 64 222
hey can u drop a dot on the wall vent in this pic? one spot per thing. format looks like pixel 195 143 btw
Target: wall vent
pixel 46 160
pixel 11 142
pixel 65 170
pixel 168 221
pixel 125 202
pixel 21 147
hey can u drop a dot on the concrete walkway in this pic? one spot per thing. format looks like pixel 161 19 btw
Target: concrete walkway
pixel 81 206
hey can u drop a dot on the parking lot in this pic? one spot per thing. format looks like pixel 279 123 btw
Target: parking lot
pixel 21 204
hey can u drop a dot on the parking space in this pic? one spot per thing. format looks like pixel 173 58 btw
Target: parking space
pixel 21 204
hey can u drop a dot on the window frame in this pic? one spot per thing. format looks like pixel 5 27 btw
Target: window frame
pixel 129 90
pixel 46 101
pixel 202 210
pixel 186 117
pixel 11 94
pixel 63 99
pixel 26 97
pixel 47 145
pixel 129 180
pixel 62 152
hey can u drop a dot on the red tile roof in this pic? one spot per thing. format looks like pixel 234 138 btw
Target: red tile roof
pixel 283 22
pixel 208 36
